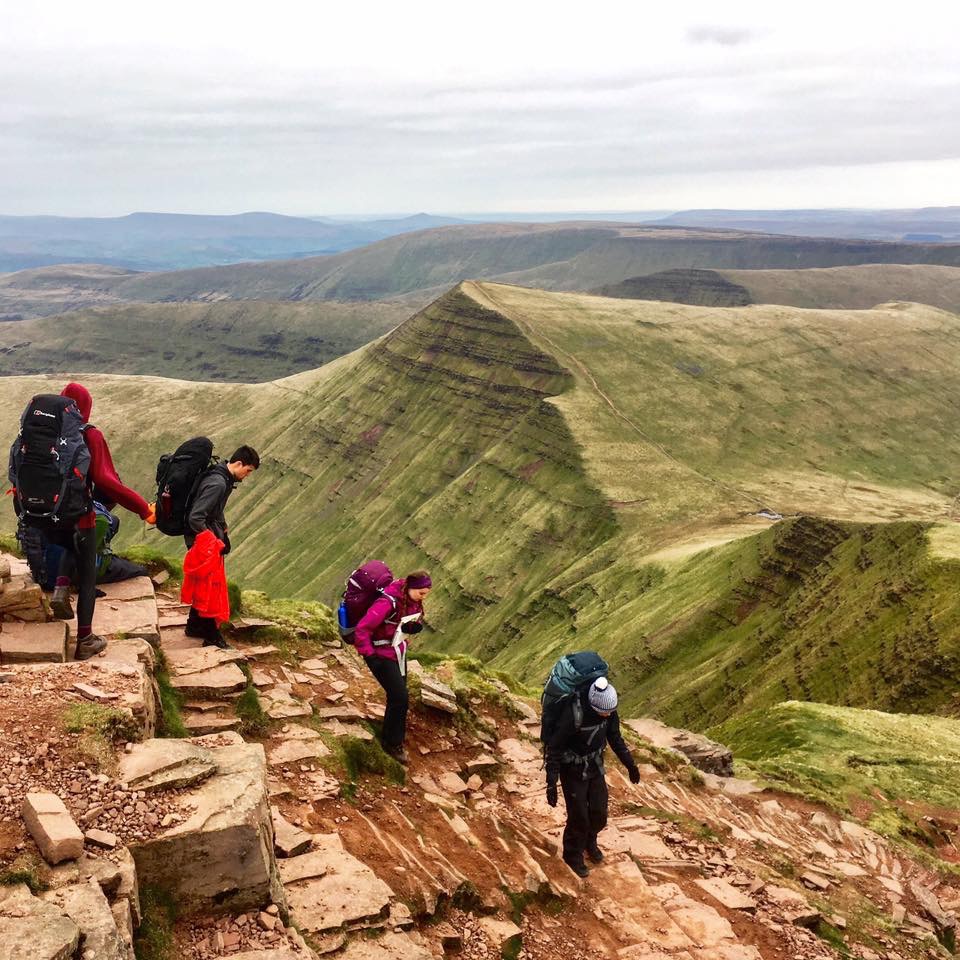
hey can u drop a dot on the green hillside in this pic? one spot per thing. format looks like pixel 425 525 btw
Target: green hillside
pixel 586 472
pixel 857 288
pixel 247 341
pixel 832 288
pixel 556 256
pixel 897 772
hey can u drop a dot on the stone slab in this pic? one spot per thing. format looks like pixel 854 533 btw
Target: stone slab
pixel 288 840
pixel 340 729
pixel 726 894
pixel 86 905
pixel 218 682
pixel 52 827
pixel 33 642
pixel 391 946
pixel 132 618
pixel 137 588
pixel 220 859
pixel 185 662
pixel 341 711
pixel 298 743
pixel 165 765
pixel 199 723
pixel 31 929
pixel 329 889
pixel 174 638
pixel 705 754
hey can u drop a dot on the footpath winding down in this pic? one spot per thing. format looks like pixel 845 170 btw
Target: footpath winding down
pixel 297 838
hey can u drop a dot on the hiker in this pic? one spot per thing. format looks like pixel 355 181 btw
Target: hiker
pixel 205 515
pixel 110 567
pixel 380 638
pixel 71 521
pixel 574 755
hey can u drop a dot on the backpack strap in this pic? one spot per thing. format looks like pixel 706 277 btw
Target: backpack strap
pixel 386 619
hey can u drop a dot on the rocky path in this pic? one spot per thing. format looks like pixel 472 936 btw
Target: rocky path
pixel 303 840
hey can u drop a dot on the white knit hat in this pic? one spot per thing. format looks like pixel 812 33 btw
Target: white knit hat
pixel 602 696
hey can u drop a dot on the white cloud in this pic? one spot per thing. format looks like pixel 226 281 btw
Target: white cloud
pixel 365 107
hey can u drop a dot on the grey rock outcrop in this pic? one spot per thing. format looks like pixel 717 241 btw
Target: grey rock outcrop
pixel 31 929
pixel 705 754
pixel 220 857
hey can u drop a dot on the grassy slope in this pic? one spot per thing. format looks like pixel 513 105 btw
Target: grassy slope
pixel 246 341
pixel 832 288
pixel 857 288
pixel 892 770
pixel 635 253
pixel 559 459
pixel 562 256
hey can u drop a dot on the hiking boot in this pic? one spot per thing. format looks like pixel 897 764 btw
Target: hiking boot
pixel 89 647
pixel 399 754
pixel 60 603
pixel 215 640
pixel 578 867
pixel 594 853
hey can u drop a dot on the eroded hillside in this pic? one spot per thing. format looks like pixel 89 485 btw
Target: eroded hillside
pixel 562 462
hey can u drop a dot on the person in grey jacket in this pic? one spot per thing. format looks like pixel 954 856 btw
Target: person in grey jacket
pixel 206 512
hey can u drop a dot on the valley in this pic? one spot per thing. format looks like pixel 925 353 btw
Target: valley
pixel 566 462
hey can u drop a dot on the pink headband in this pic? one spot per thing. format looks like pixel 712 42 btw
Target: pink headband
pixel 419 583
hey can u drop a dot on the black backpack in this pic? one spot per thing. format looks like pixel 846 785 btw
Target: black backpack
pixel 178 475
pixel 570 675
pixel 49 462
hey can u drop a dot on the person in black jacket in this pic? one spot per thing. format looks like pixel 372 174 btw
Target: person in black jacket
pixel 206 512
pixel 574 755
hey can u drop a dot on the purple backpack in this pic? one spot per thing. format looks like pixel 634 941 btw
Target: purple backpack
pixel 365 585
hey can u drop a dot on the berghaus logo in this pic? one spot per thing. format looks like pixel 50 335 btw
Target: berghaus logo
pixel 40 413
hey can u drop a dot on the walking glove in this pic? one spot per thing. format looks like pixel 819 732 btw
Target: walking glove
pixel 634 775
pixel 552 794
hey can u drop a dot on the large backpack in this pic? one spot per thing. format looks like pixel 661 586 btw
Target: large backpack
pixel 178 476
pixel 570 675
pixel 49 462
pixel 364 586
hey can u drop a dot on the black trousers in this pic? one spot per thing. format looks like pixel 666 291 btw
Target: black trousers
pixel 79 563
pixel 586 802
pixel 394 683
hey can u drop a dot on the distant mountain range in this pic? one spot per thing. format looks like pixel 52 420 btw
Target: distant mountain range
pixel 925 225
pixel 174 241
pixel 171 241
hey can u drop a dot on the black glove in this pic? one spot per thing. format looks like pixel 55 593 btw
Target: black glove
pixel 411 626
pixel 634 775
pixel 226 545
pixel 552 794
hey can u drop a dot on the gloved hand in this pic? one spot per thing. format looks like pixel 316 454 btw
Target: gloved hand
pixel 411 626
pixel 226 545
pixel 151 517
pixel 552 794
pixel 634 774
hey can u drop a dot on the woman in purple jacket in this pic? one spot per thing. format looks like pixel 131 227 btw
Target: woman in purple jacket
pixel 381 639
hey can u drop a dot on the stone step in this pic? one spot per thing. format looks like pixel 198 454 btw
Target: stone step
pixel 206 673
pixel 175 638
pixel 330 890
pixel 202 723
pixel 34 642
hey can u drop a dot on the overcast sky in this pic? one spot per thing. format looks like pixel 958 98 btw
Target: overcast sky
pixel 361 107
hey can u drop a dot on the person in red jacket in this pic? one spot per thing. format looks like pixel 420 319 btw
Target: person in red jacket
pixel 380 639
pixel 80 542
